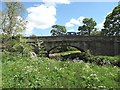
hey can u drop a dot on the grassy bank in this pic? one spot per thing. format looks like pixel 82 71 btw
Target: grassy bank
pixel 86 57
pixel 64 53
pixel 22 72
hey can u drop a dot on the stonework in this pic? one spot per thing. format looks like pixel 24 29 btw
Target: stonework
pixel 98 45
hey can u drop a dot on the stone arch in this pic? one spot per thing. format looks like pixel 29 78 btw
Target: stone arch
pixel 82 50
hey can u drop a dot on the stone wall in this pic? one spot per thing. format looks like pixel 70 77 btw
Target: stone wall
pixel 98 45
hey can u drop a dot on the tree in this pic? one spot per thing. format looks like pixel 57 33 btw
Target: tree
pixel 58 30
pixel 119 3
pixel 96 33
pixel 112 23
pixel 11 22
pixel 83 30
pixel 89 25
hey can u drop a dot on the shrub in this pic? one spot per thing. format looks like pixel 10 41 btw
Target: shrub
pixel 39 48
pixel 16 45
pixel 103 60
pixel 23 72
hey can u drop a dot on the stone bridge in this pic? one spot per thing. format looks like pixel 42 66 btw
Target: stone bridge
pixel 98 45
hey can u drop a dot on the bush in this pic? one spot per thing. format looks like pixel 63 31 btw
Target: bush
pixel 16 45
pixel 104 60
pixel 39 48
pixel 23 72
pixel 76 55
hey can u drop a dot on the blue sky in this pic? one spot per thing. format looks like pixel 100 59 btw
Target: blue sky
pixel 42 15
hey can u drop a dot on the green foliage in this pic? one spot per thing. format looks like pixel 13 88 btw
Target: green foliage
pixel 96 33
pixel 22 72
pixel 72 56
pixel 112 23
pixel 64 56
pixel 87 54
pixel 16 45
pixel 0 72
pixel 12 22
pixel 104 60
pixel 89 25
pixel 12 25
pixel 63 48
pixel 39 48
pixel 58 30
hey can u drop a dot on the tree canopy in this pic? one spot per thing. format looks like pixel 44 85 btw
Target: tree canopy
pixel 12 25
pixel 112 23
pixel 88 26
pixel 58 30
pixel 12 22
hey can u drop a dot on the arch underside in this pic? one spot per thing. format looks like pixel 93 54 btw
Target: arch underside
pixel 78 45
pixel 80 49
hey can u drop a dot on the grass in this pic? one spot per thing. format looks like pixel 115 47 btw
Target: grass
pixel 23 72
pixel 0 72
pixel 86 57
pixel 65 53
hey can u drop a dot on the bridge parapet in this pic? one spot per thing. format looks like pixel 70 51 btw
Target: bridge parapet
pixel 75 38
pixel 99 45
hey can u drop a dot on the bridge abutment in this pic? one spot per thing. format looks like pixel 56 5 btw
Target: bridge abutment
pixel 116 46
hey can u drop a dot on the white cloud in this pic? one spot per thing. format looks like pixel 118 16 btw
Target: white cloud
pixel 74 22
pixel 100 25
pixel 29 27
pixel 43 16
pixel 54 2
pixel 71 30
pixel 80 19
pixel 68 24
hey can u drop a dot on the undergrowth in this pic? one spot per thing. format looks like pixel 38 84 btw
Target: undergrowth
pixel 22 72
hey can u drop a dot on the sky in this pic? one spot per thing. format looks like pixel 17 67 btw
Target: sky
pixel 42 15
